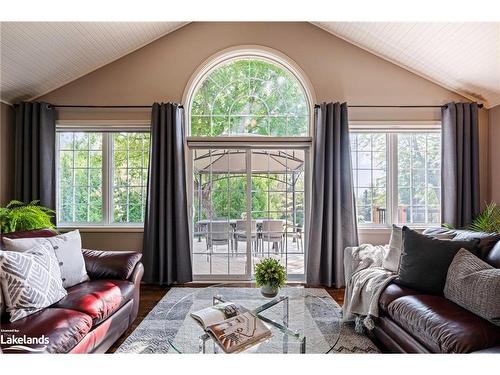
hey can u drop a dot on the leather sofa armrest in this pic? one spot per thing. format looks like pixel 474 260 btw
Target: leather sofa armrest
pixel 492 350
pixel 111 264
pixel 136 278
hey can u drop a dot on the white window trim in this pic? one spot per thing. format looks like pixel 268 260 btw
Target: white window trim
pixel 105 127
pixel 392 127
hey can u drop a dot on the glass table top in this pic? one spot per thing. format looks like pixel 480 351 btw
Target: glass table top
pixel 302 320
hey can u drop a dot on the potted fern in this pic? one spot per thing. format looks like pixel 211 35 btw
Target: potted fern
pixel 270 275
pixel 488 220
pixel 19 216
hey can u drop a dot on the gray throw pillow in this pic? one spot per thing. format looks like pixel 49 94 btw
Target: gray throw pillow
pixel 393 256
pixel 67 249
pixel 474 285
pixel 31 281
pixel 425 261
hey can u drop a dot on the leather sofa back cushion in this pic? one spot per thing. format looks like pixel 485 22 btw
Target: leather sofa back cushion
pixel 425 261
pixel 110 264
pixel 28 234
pixel 474 285
pixel 493 257
pixel 489 245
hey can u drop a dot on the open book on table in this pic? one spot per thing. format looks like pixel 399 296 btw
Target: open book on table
pixel 233 327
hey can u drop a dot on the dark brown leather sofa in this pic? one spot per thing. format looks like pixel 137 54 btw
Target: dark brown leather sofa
pixel 412 322
pixel 93 315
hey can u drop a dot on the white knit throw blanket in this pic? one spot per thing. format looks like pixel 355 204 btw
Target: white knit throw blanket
pixel 365 280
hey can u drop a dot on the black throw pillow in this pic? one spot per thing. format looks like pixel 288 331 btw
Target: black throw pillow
pixel 425 260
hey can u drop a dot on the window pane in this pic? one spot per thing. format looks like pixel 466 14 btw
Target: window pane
pixel 368 152
pixel 79 177
pixel 419 178
pixel 130 169
pixel 249 96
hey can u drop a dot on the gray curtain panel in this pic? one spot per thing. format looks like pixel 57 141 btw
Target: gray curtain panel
pixel 460 164
pixel 333 224
pixel 166 252
pixel 35 149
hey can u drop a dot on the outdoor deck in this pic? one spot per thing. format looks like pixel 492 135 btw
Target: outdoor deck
pixel 224 262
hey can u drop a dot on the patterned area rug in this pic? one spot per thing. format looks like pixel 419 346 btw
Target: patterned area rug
pixel 162 324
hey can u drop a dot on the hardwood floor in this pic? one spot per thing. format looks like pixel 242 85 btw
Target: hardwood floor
pixel 152 294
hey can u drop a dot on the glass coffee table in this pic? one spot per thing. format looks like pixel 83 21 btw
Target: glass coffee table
pixel 302 320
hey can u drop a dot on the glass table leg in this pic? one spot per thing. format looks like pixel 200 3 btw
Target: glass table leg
pixel 285 323
pixel 203 343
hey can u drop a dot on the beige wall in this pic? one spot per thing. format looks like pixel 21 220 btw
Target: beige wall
pixel 338 71
pixel 112 240
pixel 494 155
pixel 6 153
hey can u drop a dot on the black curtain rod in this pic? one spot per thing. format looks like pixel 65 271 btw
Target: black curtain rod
pixel 99 106
pixel 480 105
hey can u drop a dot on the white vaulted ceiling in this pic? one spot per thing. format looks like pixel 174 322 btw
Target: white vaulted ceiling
pixel 464 57
pixel 37 57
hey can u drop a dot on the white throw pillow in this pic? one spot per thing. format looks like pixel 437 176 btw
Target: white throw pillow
pixel 393 256
pixel 68 251
pixel 30 280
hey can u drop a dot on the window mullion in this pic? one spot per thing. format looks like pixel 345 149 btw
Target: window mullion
pixel 392 177
pixel 107 174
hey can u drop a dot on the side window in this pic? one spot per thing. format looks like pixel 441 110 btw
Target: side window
pixel 102 177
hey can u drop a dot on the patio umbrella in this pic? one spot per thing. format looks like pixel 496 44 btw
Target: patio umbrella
pixel 234 161
pixel 226 162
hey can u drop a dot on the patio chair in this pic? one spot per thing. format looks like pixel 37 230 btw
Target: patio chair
pixel 272 231
pixel 240 234
pixel 218 233
pixel 297 236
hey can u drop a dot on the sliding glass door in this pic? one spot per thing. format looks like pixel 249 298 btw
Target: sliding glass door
pixel 248 203
pixel 278 207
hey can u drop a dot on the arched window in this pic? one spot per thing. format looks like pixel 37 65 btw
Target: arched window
pixel 249 95
pixel 248 197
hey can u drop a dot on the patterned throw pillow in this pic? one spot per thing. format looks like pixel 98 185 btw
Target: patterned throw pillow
pixel 68 251
pixel 474 285
pixel 2 307
pixel 31 281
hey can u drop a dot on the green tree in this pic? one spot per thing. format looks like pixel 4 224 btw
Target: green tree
pixel 249 97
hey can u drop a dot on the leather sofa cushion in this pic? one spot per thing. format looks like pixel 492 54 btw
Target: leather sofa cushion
pixel 63 328
pixel 392 292
pixel 98 298
pixel 441 325
pixel 110 264
pixel 493 256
